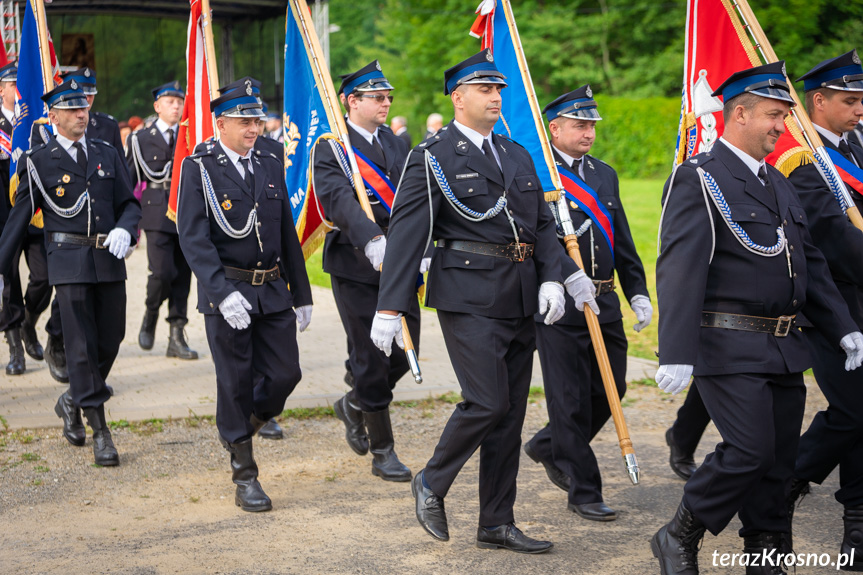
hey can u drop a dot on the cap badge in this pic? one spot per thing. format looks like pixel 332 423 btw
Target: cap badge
pixel 855 58
pixel 589 92
pixel 248 88
pixel 488 56
pixel 61 191
pixel 74 85
pixel 101 173
pixel 86 72
pixel 378 65
pixel 783 69
pixel 66 178
pixel 176 85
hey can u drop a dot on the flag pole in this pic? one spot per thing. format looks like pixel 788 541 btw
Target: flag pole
pixel 558 197
pixel 300 9
pixel 822 160
pixel 44 50
pixel 210 54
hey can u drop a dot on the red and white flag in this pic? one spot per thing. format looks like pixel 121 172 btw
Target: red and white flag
pixel 196 124
pixel 717 45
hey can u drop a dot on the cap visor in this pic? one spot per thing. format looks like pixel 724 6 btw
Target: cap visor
pixel 244 113
pixel 375 87
pixel 484 80
pixel 72 104
pixel 774 94
pixel 584 114
pixel 853 86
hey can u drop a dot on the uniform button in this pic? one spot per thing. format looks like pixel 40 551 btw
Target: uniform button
pixel 752 215
pixel 88 183
pixel 467 262
pixel 256 204
pixel 784 222
pixel 609 203
pixel 470 190
pixel 259 264
pixel 794 302
pixel 520 230
pixel 510 212
pixel 226 196
pixel 97 218
pixel 795 275
pixel 211 305
pixel 791 248
pixel 530 184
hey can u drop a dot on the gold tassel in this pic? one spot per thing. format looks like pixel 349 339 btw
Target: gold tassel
pixel 793 159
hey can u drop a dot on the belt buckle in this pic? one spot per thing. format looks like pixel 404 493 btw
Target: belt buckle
pixel 783 325
pixel 520 250
pixel 258 277
pixel 100 241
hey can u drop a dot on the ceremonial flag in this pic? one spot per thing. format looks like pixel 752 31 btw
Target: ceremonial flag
pixel 717 45
pixel 29 106
pixel 516 119
pixel 304 122
pixel 196 124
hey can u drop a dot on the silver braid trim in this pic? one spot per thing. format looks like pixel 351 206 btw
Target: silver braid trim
pixel 212 202
pixel 154 177
pixel 62 212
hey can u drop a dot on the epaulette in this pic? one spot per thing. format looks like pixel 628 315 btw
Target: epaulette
pixel 508 139
pixel 35 149
pixel 100 141
pixel 385 128
pixel 104 115
pixel 699 159
pixel 266 154
pixel 201 153
pixel 430 141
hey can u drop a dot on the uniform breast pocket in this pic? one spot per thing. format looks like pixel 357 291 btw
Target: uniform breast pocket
pixel 275 198
pixel 798 215
pixel 610 203
pixel 527 184
pixel 59 186
pixel 757 221
pixel 465 190
pixel 233 204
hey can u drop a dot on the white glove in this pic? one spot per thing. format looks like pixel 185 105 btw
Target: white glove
pixel 375 249
pixel 235 309
pixel 118 242
pixel 425 264
pixel 385 328
pixel 643 311
pixel 551 300
pixel 853 346
pixel 581 289
pixel 304 316
pixel 130 250
pixel 673 378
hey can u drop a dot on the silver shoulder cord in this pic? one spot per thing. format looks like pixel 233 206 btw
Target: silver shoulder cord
pixel 211 203
pixel 460 208
pixel 140 164
pixel 33 175
pixel 662 217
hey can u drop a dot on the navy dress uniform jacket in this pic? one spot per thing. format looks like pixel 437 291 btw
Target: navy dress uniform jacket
pixel 112 205
pixel 208 249
pixel 156 152
pixel 630 271
pixel 840 242
pixel 737 281
pixel 343 247
pixel 467 282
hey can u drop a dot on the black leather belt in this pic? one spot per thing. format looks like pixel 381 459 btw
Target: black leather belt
pixel 97 241
pixel 254 277
pixel 604 286
pixel 513 252
pixel 778 326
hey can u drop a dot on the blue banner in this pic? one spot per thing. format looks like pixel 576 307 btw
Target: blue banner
pixel 31 87
pixel 304 122
pixel 516 119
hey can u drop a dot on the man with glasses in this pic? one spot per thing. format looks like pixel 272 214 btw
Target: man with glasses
pixel 353 252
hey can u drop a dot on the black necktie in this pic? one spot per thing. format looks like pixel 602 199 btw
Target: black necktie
pixel 486 148
pixel 762 174
pixel 576 167
pixel 171 139
pixel 379 151
pixel 82 157
pixel 845 150
pixel 248 173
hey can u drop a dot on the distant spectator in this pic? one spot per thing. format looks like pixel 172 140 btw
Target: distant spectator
pixel 125 130
pixel 399 127
pixel 136 123
pixel 274 127
pixel 433 124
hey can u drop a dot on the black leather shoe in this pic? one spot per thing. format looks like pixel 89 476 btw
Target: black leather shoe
pixel 73 426
pixel 16 365
pixel 555 473
pixel 55 357
pixel 177 346
pixel 147 335
pixel 104 451
pixel 510 537
pixel 676 544
pixel 853 538
pixel 271 430
pixel 593 511
pixel 31 340
pixel 250 495
pixel 355 431
pixel 386 463
pixel 763 550
pixel 682 464
pixel 430 510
